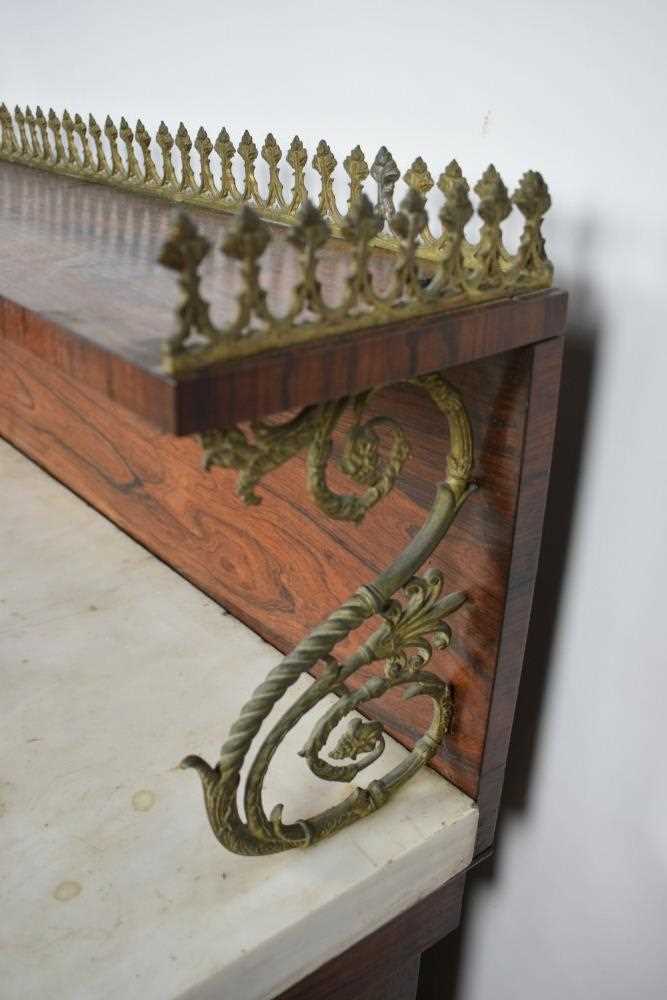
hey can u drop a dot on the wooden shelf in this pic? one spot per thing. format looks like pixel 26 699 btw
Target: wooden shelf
pixel 80 288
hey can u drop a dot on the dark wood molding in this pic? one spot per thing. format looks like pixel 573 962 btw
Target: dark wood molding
pixel 374 963
pixel 536 465
pixel 281 380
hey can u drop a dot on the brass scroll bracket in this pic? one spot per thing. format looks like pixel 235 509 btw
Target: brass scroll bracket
pixel 409 633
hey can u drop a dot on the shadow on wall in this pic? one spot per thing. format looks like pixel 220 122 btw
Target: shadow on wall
pixel 442 964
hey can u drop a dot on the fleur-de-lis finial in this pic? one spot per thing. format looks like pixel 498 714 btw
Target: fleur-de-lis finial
pixel 183 251
pixel 385 173
pixel 40 119
pixel 494 206
pixel 183 140
pixel 297 157
pixel 164 138
pixel 271 151
pixel 73 158
pixel 165 141
pixel 250 237
pixel 19 118
pixel 324 162
pixel 226 149
pixel 271 154
pixel 102 166
pixel 204 147
pixel 310 233
pixel 362 222
pixel 184 145
pixel 533 200
pixel 247 150
pixel 457 210
pixel 357 170
pixel 360 226
pixel 412 217
pixel 451 276
pixel 418 177
pixel 32 129
pixel 408 223
pixel 247 243
pixel 224 146
pixel 419 626
pixel 532 196
pixel 151 175
pixel 311 228
pixel 185 246
pixel 450 176
pixel 8 140
pixel 82 132
pixel 55 126
pixel 133 173
pixel 494 202
pixel 111 132
pixel 202 142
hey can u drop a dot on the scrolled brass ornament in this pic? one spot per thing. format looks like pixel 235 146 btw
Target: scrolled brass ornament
pixel 312 428
pixel 411 629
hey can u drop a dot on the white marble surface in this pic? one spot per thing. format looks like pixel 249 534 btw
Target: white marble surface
pixel 111 883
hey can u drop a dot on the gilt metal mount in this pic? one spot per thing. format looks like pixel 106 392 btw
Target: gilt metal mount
pixel 433 270
pixel 409 632
pixel 463 274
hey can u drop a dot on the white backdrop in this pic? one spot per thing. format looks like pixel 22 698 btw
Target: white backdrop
pixel 577 904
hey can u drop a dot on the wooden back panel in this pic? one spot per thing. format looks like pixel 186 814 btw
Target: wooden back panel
pixel 281 567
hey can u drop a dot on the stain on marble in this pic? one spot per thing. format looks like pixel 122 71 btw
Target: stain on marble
pixel 143 800
pixel 67 890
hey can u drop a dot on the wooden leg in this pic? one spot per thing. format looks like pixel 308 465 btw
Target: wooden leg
pixel 439 968
pixel 397 980
pixel 400 983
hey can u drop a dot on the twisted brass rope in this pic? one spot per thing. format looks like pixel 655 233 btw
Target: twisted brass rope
pixel 262 834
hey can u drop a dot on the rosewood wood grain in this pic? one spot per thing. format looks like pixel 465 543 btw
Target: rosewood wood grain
pixel 80 288
pixel 282 567
pixel 387 959
pixel 536 465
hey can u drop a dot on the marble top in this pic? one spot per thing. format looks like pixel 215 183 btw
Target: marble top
pixel 113 668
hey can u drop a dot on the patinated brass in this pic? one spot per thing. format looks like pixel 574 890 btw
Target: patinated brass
pixel 406 639
pixel 24 139
pixel 464 272
pixel 312 428
pixel 434 271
